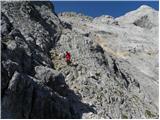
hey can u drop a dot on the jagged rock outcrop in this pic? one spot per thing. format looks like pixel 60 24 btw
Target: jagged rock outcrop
pixel 114 69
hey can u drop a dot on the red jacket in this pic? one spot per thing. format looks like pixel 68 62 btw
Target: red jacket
pixel 68 56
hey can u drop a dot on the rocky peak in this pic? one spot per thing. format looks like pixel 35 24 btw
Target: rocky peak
pixel 144 16
pixel 105 19
pixel 143 7
pixel 74 14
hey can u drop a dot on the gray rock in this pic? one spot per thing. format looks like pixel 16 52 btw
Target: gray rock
pixel 51 78
pixel 113 71
pixel 24 98
pixel 119 49
pixel 6 26
pixel 31 88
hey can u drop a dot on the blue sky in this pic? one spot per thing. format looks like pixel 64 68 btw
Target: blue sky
pixel 98 8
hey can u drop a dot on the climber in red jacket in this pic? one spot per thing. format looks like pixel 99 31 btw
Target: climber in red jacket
pixel 68 57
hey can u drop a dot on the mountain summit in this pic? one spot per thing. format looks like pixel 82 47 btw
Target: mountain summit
pixel 113 71
pixel 144 16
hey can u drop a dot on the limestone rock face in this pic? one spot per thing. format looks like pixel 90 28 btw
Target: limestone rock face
pixel 117 62
pixel 31 88
pixel 113 71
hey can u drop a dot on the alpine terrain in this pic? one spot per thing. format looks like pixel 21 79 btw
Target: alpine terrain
pixel 113 71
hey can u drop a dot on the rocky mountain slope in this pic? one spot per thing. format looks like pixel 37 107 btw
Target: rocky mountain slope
pixel 114 70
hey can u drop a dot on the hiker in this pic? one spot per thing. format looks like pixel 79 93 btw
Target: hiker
pixel 68 57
